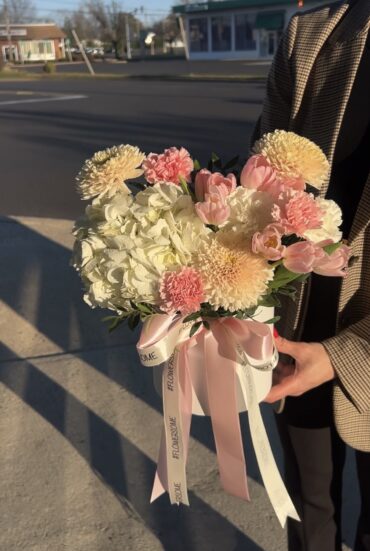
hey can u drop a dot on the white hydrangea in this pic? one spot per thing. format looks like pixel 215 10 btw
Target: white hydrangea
pixel 332 220
pixel 250 210
pixel 124 244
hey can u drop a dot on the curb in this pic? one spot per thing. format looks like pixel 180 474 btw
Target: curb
pixel 112 76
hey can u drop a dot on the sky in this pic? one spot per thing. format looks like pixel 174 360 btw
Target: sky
pixel 152 9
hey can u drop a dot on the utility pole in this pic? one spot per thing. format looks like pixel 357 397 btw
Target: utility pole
pixel 82 50
pixel 128 37
pixel 184 37
pixel 8 31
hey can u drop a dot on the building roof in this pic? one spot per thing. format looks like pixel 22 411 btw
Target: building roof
pixel 234 4
pixel 32 31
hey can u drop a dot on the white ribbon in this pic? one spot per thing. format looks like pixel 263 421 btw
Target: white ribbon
pixel 275 488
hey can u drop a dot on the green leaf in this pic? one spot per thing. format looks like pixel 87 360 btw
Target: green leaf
pixel 133 321
pixel 271 301
pixel 282 277
pixel 184 186
pixel 116 323
pixel 197 165
pixel 144 308
pixel 109 318
pixel 302 278
pixel 191 317
pixel 210 314
pixel 195 328
pixel 332 247
pixel 273 320
pixel 215 157
pixel 206 324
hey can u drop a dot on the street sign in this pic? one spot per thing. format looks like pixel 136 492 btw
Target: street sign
pixel 13 32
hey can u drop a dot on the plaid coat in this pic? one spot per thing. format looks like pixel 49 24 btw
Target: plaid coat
pixel 307 92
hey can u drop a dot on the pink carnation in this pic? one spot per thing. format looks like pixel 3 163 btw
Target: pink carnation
pixel 169 166
pixel 298 212
pixel 205 179
pixel 181 291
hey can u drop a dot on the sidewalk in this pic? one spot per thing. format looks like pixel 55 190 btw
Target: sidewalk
pixel 80 426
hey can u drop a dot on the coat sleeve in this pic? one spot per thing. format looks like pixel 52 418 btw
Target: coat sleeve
pixel 349 352
pixel 276 111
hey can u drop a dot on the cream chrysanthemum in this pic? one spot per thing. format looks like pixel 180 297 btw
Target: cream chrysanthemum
pixel 234 278
pixel 107 171
pixel 294 156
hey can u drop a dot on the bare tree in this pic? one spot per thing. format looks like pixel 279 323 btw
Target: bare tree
pixel 18 11
pixel 111 22
pixel 167 29
pixel 84 25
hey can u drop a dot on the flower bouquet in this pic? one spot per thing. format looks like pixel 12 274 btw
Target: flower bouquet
pixel 201 256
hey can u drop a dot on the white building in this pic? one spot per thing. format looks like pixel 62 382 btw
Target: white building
pixel 237 29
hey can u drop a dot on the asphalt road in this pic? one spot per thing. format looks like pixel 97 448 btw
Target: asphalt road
pixel 50 128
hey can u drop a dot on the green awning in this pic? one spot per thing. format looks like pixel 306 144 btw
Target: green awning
pixel 270 21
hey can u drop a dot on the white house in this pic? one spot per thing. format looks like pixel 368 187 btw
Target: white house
pixel 237 29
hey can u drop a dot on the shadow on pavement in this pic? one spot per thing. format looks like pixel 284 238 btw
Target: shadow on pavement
pixel 117 462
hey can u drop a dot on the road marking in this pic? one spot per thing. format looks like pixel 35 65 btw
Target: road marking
pixel 38 100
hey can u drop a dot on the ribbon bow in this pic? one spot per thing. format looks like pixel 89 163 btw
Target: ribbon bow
pixel 225 356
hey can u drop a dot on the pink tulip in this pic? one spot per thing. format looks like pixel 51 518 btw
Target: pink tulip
pixel 214 209
pixel 268 242
pixel 301 257
pixel 201 180
pixel 334 264
pixel 204 179
pixel 258 174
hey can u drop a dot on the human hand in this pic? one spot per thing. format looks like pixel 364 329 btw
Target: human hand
pixel 312 368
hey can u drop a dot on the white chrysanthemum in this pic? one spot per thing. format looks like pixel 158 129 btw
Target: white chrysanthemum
pixel 250 210
pixel 233 277
pixel 294 156
pixel 124 244
pixel 332 220
pixel 107 171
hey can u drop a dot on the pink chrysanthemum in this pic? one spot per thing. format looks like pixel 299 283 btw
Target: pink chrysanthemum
pixel 181 291
pixel 298 212
pixel 169 166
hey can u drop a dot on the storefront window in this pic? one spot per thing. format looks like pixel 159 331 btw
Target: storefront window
pixel 36 49
pixel 198 30
pixel 244 32
pixel 221 33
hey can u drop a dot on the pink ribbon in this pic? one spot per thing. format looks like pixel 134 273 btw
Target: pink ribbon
pixel 217 348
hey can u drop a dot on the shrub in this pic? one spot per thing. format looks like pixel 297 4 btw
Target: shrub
pixel 49 67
